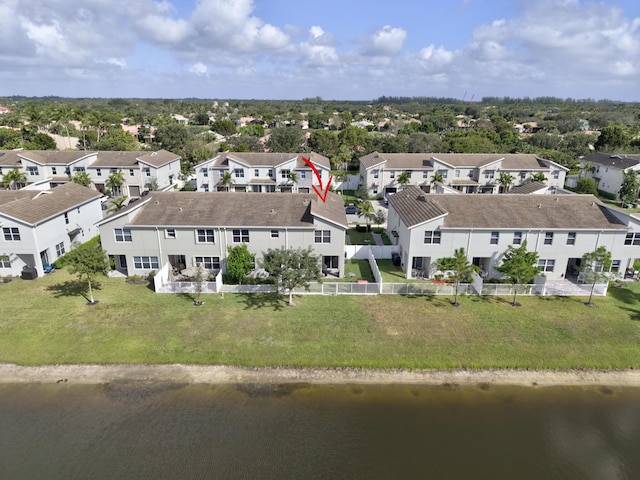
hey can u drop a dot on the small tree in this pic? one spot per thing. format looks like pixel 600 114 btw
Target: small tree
pixel 629 188
pixel 292 268
pixel 117 204
pixel 519 267
pixel 226 180
pixel 587 185
pixel 538 177
pixel 505 180
pixel 459 268
pixel 368 212
pixel 361 192
pixel 114 182
pixel 239 262
pixel 198 279
pixel 152 185
pixel 88 261
pixel 436 179
pixel 594 268
pixel 380 217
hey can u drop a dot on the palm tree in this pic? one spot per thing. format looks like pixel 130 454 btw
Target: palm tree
pixel 226 180
pixel 114 182
pixel 368 212
pixel 83 118
pixel 14 179
pixel 538 177
pixel 81 178
pixel 505 181
pixel 586 167
pixel 117 204
pixel 404 178
pixel 341 176
pixel 436 179
pixel 63 115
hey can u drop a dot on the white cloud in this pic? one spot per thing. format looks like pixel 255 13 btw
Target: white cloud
pixel 385 42
pixel 117 62
pixel 199 69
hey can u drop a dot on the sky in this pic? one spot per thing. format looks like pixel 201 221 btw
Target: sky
pixel 336 50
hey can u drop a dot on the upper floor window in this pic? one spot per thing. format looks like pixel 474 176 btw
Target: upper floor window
pixel 517 238
pixel 303 174
pixel 54 171
pixel 205 235
pixel 489 174
pixel 275 233
pixel 66 218
pixel 147 172
pixel 169 233
pixel 457 173
pixel 205 187
pixel 376 173
pixel 205 172
pixel 270 173
pixel 32 170
pixel 392 174
pixel 523 175
pixel 632 238
pixel 78 169
pixel 495 237
pixel 11 234
pixel 425 174
pixel 256 172
pixel 322 236
pixel 99 172
pixel 432 236
pixel 556 175
pixel 67 171
pixel 238 172
pixel 123 235
pixel 241 235
pixel 548 238
pixel 131 172
pixel 443 173
pixel 284 173
pixel 571 238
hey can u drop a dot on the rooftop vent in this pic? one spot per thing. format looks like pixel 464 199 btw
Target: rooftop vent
pixel 539 205
pixel 422 198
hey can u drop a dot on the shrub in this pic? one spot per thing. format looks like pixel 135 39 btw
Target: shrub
pixel 607 195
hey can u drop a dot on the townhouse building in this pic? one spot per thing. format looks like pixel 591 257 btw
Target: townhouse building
pixel 608 170
pixel 262 172
pixel 37 227
pixel 188 228
pixel 56 167
pixel 457 172
pixel 560 228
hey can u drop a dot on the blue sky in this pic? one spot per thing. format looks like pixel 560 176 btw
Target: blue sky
pixel 348 49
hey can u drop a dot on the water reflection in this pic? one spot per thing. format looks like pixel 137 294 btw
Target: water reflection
pixel 155 430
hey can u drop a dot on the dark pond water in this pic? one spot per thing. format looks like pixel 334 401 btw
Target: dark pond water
pixel 163 431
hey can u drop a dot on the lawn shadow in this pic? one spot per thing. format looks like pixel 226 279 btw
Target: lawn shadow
pixel 624 295
pixel 73 288
pixel 635 314
pixel 262 300
pixel 190 297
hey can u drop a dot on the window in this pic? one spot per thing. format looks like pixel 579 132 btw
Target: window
pixel 323 236
pixel 5 262
pixel 376 173
pixel 146 262
pixel 495 237
pixel 123 235
pixel 205 172
pixel 425 174
pixel 443 173
pixel 32 170
pixel 523 175
pixel 209 263
pixel 284 173
pixel 205 235
pixel 113 170
pixel 205 187
pixel 66 218
pixel 238 172
pixel 169 233
pixel 240 236
pixel 489 174
pixel 571 238
pixel 11 234
pixel 60 249
pixel 517 238
pixel 548 238
pixel 457 174
pixel 303 174
pixel 78 169
pixel 275 234
pixel 633 238
pixel 270 173
pixel 99 172
pixel 67 171
pixel 256 172
pixel 54 171
pixel 433 237
pixel 546 265
pixel 374 191
pixel 131 172
pixel 615 265
pixel 556 175
pixel 147 172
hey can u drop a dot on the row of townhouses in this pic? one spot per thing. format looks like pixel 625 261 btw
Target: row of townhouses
pixel 454 172
pixel 49 168
pixel 560 228
pixel 262 172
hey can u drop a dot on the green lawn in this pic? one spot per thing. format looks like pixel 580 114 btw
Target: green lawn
pixel 46 321
pixel 360 238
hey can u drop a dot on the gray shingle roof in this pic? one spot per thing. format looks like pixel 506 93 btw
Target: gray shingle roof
pixel 504 211
pixel 41 205
pixel 130 159
pixel 529 187
pixel 422 161
pixel 9 158
pixel 616 161
pixel 53 157
pixel 226 209
pixel 259 159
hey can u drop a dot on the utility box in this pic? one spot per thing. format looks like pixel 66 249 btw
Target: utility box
pixel 29 273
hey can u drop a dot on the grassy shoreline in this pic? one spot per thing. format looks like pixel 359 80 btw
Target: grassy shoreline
pixel 46 322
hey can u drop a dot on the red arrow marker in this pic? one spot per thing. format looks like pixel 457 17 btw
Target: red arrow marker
pixel 322 192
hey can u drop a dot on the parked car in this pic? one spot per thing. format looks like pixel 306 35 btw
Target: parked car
pixel 351 209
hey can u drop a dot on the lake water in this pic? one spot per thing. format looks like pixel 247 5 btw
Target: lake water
pixel 165 431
